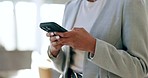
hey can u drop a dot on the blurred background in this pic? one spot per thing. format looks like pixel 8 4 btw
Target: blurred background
pixel 23 44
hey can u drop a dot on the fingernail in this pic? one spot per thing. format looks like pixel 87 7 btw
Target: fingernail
pixel 52 33
pixel 57 37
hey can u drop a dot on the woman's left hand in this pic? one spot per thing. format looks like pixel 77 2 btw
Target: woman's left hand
pixel 79 39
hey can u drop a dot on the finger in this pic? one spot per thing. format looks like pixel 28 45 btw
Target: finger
pixel 54 43
pixel 56 48
pixel 57 37
pixel 65 41
pixel 65 34
pixel 54 38
pixel 50 34
pixel 77 28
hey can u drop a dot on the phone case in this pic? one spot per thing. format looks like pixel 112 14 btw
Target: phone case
pixel 52 27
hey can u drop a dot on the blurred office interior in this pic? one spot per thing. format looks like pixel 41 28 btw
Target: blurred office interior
pixel 23 45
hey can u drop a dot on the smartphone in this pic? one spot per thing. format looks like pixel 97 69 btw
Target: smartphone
pixel 52 27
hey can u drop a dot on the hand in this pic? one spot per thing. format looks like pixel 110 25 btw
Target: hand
pixel 54 47
pixel 79 39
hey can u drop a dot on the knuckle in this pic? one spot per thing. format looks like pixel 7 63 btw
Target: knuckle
pixel 54 43
pixel 52 39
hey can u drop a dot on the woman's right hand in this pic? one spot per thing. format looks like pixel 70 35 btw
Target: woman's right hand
pixel 54 47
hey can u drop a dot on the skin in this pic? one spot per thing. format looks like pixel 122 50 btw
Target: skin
pixel 91 0
pixel 77 38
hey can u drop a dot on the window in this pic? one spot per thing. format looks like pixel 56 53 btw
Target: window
pixel 52 12
pixel 19 28
pixel 26 16
pixel 7 28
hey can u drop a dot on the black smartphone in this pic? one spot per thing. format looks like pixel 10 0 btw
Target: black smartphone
pixel 52 27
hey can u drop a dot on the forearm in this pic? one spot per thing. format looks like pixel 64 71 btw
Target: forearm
pixel 131 60
pixel 119 62
pixel 58 61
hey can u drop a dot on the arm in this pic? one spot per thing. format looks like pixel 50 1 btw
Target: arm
pixel 58 61
pixel 132 62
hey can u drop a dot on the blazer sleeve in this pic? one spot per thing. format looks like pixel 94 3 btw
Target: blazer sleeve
pixel 132 62
pixel 59 61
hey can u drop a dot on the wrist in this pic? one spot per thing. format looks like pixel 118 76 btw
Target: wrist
pixel 54 53
pixel 93 45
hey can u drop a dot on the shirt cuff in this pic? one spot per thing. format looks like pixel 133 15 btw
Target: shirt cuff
pixel 90 55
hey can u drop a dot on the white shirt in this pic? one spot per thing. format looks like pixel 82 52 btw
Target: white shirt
pixel 87 15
